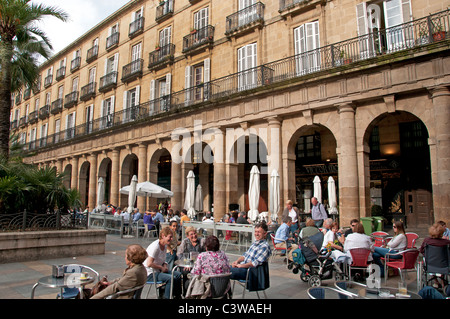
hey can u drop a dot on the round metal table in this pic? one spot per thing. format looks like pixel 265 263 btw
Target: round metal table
pixel 68 281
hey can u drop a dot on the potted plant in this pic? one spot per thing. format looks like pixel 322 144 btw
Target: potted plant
pixel 157 47
pixel 161 3
pixel 193 31
pixel 345 58
pixel 438 33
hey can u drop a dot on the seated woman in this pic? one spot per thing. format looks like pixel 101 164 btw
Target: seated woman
pixel 398 243
pixel 331 240
pixel 213 261
pixel 135 275
pixel 309 230
pixel 436 232
pixel 156 263
pixel 357 239
pixel 190 244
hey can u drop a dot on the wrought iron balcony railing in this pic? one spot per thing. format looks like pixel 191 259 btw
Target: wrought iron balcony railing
pixel 23 121
pixel 133 70
pixel 92 54
pixel 88 91
pixel 57 106
pixel 198 39
pixel 27 94
pixel 14 124
pixel 18 98
pixel 161 56
pixel 75 64
pixel 136 27
pixel 33 117
pixel 112 41
pixel 60 73
pixel 164 10
pixel 245 19
pixel 108 82
pixel 71 99
pixel 44 112
pixel 48 80
pixel 422 34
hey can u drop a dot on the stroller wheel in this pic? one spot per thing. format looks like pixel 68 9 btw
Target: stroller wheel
pixel 314 281
pixel 304 277
pixel 290 265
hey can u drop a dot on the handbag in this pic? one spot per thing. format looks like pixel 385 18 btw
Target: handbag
pixel 99 286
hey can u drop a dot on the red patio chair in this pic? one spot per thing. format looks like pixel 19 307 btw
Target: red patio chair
pixel 379 241
pixel 279 250
pixel 412 238
pixel 359 260
pixel 407 262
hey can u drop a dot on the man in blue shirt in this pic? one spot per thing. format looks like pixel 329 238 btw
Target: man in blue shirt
pixel 282 239
pixel 257 254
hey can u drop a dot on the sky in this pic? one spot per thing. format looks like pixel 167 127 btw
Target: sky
pixel 83 16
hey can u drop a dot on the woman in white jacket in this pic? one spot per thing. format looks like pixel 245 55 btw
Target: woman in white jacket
pixel 398 243
pixel 357 239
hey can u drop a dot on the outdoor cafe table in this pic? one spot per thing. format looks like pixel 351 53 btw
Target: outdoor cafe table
pixel 68 281
pixel 364 292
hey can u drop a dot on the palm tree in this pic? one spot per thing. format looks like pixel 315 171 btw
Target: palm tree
pixel 20 39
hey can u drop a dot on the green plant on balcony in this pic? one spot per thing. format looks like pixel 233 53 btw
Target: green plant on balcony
pixel 344 57
pixel 438 32
pixel 193 31
pixel 157 47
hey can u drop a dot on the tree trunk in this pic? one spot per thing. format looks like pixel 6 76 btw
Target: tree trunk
pixel 6 51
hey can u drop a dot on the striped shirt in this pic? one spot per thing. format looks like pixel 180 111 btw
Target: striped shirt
pixel 258 253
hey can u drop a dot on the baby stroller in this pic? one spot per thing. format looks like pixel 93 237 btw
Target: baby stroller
pixel 314 265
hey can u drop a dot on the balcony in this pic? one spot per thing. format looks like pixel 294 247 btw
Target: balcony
pixel 428 35
pixel 245 20
pixel 92 54
pixel 108 82
pixel 27 94
pixel 132 71
pixel 161 57
pixel 290 7
pixel 112 41
pixel 71 99
pixel 194 1
pixel 48 80
pixel 36 88
pixel 44 112
pixel 33 117
pixel 18 98
pixel 136 27
pixel 198 40
pixel 57 106
pixel 88 91
pixel 14 125
pixel 23 122
pixel 60 73
pixel 75 64
pixel 164 10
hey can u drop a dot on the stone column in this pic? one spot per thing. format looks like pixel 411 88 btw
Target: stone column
pixel 348 165
pixel 92 203
pixel 220 180
pixel 58 165
pixel 115 159
pixel 74 178
pixel 175 181
pixel 274 135
pixel 142 175
pixel 441 177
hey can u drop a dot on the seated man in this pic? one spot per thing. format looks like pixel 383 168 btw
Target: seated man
pixel 257 254
pixel 283 234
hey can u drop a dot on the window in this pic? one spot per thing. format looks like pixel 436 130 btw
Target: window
pixel 195 78
pixel 44 130
pixel 107 112
pixel 111 64
pixel 374 16
pixel 160 94
pixel 89 115
pixel 250 14
pixel 48 98
pixel 201 18
pixel 247 60
pixel 306 44
pixel 57 129
pixel 36 105
pixel 33 138
pixel 131 104
pixel 70 125
pixel 165 36
pixel 61 92
pixel 92 73
pixel 75 84
pixel 309 149
pixel 136 52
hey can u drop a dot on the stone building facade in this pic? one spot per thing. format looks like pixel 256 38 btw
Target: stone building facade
pixel 352 89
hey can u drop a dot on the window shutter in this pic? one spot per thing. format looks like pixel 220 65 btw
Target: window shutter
pixel 206 70
pixel 113 100
pixel 152 97
pixel 361 19
pixel 187 83
pixel 125 99
pixel 168 83
pixel 138 92
pixel 102 110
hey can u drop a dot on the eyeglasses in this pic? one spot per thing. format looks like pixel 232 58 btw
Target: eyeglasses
pixel 353 225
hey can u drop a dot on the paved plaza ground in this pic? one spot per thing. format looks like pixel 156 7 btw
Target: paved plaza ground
pixel 17 279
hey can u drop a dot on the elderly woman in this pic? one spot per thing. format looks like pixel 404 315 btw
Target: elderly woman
pixel 135 275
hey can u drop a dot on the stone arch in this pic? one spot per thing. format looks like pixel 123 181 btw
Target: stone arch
pixel 67 181
pixel 128 168
pixel 105 171
pixel 83 182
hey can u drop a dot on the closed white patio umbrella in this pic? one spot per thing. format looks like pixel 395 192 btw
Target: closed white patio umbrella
pixel 332 198
pixel 100 193
pixel 199 199
pixel 190 195
pixel 253 194
pixel 132 194
pixel 317 189
pixel 274 195
pixel 148 189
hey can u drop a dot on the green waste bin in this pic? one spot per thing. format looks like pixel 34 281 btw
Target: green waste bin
pixel 368 225
pixel 378 223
